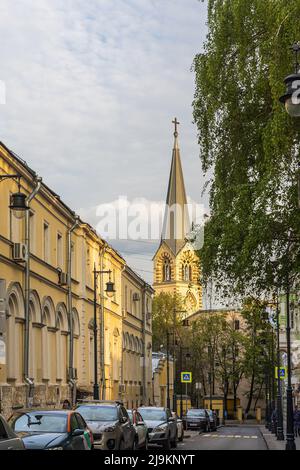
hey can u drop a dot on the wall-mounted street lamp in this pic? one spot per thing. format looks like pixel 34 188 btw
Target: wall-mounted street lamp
pixel 18 200
pixel 110 292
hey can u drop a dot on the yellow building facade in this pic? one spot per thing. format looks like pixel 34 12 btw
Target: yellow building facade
pixel 47 331
pixel 137 340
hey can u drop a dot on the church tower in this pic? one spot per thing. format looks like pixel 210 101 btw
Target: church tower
pixel 176 265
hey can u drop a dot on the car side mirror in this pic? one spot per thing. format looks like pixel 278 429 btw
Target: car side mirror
pixel 123 420
pixel 78 432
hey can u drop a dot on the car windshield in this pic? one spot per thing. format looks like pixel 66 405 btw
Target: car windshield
pixel 98 413
pixel 39 422
pixel 196 413
pixel 153 414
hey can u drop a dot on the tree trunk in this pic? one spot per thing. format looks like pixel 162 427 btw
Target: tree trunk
pixel 250 394
pixel 260 389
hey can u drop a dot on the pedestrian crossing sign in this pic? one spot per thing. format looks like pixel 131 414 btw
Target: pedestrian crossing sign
pixel 282 372
pixel 186 377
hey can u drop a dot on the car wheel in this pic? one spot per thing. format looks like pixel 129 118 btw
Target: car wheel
pixel 135 444
pixel 146 443
pixel 167 444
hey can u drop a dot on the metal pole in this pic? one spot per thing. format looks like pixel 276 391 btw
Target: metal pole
pixel 28 380
pixel 96 385
pixel 186 397
pixel 181 404
pixel 290 437
pixel 168 373
pixel 266 393
pixel 174 361
pixel 72 381
pixel 280 434
pixel 273 425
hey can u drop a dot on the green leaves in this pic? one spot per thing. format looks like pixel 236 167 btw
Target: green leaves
pixel 248 140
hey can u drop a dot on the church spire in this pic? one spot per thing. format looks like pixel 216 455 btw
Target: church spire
pixel 176 221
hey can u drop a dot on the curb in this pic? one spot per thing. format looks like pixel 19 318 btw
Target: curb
pixel 264 439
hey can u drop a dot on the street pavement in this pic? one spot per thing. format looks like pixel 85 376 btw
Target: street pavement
pixel 241 437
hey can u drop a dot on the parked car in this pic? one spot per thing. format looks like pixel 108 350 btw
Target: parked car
pixel 110 424
pixel 8 438
pixel 212 419
pixel 180 427
pixel 141 430
pixel 197 419
pixel 162 427
pixel 52 429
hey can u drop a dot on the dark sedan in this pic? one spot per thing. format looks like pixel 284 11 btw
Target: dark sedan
pixel 197 419
pixel 52 430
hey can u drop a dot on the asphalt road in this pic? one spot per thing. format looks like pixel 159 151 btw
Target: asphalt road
pixel 225 438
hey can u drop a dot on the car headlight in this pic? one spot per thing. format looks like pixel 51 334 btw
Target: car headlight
pixel 55 448
pixel 109 429
pixel 161 428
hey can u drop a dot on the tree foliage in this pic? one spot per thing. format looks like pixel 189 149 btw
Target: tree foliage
pixel 249 142
pixel 167 314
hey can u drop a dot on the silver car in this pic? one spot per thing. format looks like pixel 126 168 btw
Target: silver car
pixel 141 430
pixel 161 425
pixel 180 427
pixel 109 423
pixel 8 438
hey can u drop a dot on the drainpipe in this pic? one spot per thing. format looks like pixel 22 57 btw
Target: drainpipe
pixel 27 379
pixel 122 384
pixel 72 381
pixel 102 326
pixel 144 314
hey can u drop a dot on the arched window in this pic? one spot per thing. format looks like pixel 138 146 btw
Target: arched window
pixel 166 270
pixel 187 272
pixel 15 332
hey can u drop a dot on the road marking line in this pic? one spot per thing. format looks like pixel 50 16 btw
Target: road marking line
pixel 253 437
pixel 246 437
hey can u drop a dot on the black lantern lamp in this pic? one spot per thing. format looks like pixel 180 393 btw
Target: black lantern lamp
pixel 291 99
pixel 18 200
pixel 110 288
pixel 18 204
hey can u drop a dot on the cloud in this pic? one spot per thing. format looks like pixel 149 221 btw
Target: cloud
pixel 91 89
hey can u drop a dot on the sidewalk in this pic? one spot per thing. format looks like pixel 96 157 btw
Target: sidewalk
pixel 271 440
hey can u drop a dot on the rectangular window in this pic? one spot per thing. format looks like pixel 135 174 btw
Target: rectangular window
pixel 32 232
pixel 126 299
pixel 46 242
pixel 73 261
pixel 59 250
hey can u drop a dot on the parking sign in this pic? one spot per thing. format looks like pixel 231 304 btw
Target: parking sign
pixel 186 377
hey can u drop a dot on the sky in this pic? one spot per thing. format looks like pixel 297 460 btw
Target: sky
pixel 91 89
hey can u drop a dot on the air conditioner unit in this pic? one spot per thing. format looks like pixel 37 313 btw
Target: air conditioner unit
pixel 136 296
pixel 62 278
pixel 19 252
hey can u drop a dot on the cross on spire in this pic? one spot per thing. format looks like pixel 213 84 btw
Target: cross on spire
pixel 176 123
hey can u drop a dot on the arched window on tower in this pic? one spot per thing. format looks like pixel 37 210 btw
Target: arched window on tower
pixel 167 270
pixel 187 272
